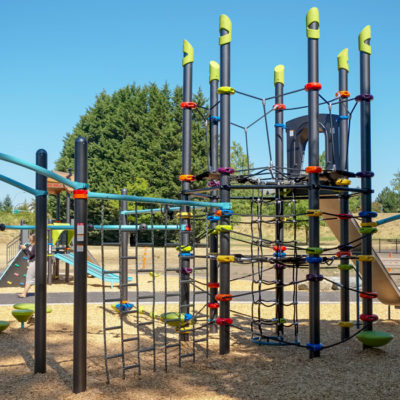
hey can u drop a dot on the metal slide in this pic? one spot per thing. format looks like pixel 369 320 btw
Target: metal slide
pixel 382 282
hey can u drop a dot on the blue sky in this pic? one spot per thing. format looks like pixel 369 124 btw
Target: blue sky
pixel 58 55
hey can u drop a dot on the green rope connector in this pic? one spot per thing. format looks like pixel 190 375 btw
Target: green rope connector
pixel 345 267
pixel 226 90
pixel 314 250
pixel 365 230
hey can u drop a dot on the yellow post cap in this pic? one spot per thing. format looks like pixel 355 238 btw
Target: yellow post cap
pixel 343 60
pixel 312 16
pixel 279 74
pixel 188 53
pixel 225 23
pixel 363 40
pixel 214 71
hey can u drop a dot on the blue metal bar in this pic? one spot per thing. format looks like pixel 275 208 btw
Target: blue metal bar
pixel 109 196
pixel 389 219
pixel 105 227
pixel 148 211
pixel 43 171
pixel 21 186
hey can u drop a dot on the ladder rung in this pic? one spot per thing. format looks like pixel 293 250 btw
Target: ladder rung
pixel 131 366
pixel 145 323
pixel 145 244
pixel 200 292
pixel 111 244
pixel 171 294
pixel 199 268
pixel 172 269
pixel 168 346
pixel 200 340
pixel 114 356
pixel 130 339
pixel 113 327
pixel 111 272
pixel 146 297
pixel 187 305
pixel 187 355
pixel 128 284
pixel 145 270
pixel 118 300
pixel 145 349
pixel 187 280
pixel 128 257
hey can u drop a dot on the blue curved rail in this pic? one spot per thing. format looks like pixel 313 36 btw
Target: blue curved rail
pixel 389 219
pixel 21 186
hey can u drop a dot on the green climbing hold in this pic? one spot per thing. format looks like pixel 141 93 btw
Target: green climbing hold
pixel 29 306
pixel 17 265
pixel 374 338
pixel 4 325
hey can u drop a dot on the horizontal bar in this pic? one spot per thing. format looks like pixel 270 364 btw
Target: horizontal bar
pixel 389 219
pixel 106 228
pixel 23 187
pixel 43 171
pixel 148 211
pixel 109 196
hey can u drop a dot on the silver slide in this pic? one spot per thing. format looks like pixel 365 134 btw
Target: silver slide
pixel 382 282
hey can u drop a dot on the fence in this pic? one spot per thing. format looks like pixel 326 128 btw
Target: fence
pixel 386 245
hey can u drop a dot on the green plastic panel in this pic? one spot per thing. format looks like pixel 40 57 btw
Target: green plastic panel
pixel 188 53
pixel 279 74
pixel 363 40
pixel 225 23
pixel 374 338
pixel 214 71
pixel 343 60
pixel 312 16
pixel 29 306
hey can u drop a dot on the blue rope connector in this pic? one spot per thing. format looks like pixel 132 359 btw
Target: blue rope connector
pixel 280 254
pixel 214 118
pixel 342 117
pixel 226 212
pixel 315 346
pixel 367 214
pixel 280 126
pixel 314 259
pixel 186 255
pixel 213 218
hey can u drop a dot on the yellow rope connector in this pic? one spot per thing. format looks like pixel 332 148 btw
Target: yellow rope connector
pixel 226 90
pixel 184 249
pixel 187 215
pixel 342 182
pixel 221 228
pixel 283 219
pixel 226 259
pixel 366 258
pixel 365 224
pixel 313 213
pixel 345 324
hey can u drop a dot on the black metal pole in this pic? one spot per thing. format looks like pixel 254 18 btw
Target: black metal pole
pixel 225 28
pixel 80 269
pixel 124 249
pixel 365 129
pixel 40 265
pixel 68 202
pixel 184 262
pixel 279 82
pixel 214 79
pixel 343 68
pixel 313 160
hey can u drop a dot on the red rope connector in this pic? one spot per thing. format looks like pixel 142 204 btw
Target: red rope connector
pixel 368 295
pixel 187 178
pixel 343 94
pixel 312 86
pixel 279 106
pixel 213 285
pixel 343 254
pixel 189 105
pixel 213 305
pixel 369 317
pixel 279 248
pixel 345 216
pixel 224 321
pixel 223 297
pixel 314 169
pixel 80 194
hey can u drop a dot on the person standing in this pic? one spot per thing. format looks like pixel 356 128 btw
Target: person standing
pixel 30 252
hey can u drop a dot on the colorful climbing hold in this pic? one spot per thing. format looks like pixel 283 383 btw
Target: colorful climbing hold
pixel 374 338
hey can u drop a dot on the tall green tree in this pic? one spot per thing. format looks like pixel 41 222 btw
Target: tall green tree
pixel 389 200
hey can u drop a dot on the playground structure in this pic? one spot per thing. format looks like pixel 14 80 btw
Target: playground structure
pixel 328 194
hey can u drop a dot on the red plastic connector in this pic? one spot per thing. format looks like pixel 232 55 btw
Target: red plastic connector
pixel 314 169
pixel 312 86
pixel 213 305
pixel 343 254
pixel 223 297
pixel 189 105
pixel 369 317
pixel 343 94
pixel 213 285
pixel 345 216
pixel 368 295
pixel 224 321
pixel 279 106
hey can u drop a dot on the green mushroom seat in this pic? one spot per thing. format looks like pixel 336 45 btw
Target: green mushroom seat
pixel 22 315
pixel 29 306
pixel 374 338
pixel 4 325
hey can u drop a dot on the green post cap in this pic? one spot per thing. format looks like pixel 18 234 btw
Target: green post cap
pixel 343 60
pixel 312 16
pixel 363 40
pixel 225 23
pixel 279 74
pixel 188 53
pixel 214 71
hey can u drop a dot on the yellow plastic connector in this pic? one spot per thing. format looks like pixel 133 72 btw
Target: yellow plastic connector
pixel 184 249
pixel 187 215
pixel 366 258
pixel 225 259
pixel 226 90
pixel 313 213
pixel 365 224
pixel 345 324
pixel 221 228
pixel 342 182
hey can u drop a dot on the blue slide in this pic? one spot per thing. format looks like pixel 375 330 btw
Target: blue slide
pixel 92 269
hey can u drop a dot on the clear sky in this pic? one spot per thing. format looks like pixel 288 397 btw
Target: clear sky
pixel 58 55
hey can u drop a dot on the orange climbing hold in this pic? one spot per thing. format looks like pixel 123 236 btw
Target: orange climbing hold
pixel 187 178
pixel 343 94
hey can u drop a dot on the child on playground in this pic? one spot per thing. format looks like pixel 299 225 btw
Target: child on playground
pixel 30 251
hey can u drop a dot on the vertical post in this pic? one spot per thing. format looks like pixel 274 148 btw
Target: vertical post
pixel 313 34
pixel 343 68
pixel 40 262
pixel 58 207
pixel 279 82
pixel 365 130
pixel 225 29
pixel 214 79
pixel 124 249
pixel 68 202
pixel 80 262
pixel 184 262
